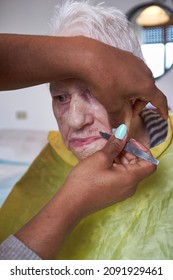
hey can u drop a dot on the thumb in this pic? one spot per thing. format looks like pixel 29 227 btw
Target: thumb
pixel 116 143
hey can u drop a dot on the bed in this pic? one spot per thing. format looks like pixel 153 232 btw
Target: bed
pixel 18 148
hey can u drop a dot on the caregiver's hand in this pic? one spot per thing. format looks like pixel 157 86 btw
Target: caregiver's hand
pixel 119 76
pixel 95 183
pixel 113 75
pixel 98 182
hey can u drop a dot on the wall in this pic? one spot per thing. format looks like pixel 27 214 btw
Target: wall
pixel 31 108
pixel 26 108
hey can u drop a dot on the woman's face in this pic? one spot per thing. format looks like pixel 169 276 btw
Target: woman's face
pixel 80 117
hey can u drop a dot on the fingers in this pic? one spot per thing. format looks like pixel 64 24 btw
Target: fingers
pixel 140 146
pixel 114 147
pixel 124 114
pixel 158 100
pixel 138 106
pixel 155 96
pixel 116 143
pixel 128 113
pixel 129 158
pixel 138 169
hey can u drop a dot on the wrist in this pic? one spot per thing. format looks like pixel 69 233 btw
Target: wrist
pixel 71 204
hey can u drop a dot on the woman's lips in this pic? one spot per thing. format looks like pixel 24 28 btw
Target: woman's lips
pixel 79 142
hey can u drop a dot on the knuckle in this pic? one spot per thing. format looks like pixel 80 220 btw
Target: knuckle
pixel 116 145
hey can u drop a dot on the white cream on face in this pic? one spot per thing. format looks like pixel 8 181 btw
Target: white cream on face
pixel 80 117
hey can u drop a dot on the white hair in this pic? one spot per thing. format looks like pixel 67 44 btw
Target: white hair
pixel 106 24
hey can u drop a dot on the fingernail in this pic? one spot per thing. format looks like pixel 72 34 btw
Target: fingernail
pixel 120 132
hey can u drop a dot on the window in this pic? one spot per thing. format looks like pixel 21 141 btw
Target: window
pixel 157 48
pixel 155 34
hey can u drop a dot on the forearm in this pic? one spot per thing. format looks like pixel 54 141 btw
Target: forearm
pixel 13 249
pixel 46 232
pixel 94 183
pixel 27 60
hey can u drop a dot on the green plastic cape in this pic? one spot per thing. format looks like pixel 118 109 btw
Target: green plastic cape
pixel 141 227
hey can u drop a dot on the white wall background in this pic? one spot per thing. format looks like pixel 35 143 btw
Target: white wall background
pixel 32 17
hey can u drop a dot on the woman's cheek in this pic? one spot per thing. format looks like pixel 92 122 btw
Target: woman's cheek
pixel 64 130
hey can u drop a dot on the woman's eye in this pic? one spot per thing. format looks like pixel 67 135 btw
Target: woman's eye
pixel 88 94
pixel 62 98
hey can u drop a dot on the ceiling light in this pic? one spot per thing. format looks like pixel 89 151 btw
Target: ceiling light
pixel 152 16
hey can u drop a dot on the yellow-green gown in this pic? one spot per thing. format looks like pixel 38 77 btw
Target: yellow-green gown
pixel 141 227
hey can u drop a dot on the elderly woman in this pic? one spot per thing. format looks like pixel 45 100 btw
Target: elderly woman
pixel 137 228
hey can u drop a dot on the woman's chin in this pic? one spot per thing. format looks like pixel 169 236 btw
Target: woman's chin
pixel 84 152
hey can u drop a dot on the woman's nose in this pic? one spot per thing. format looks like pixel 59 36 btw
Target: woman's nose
pixel 79 113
